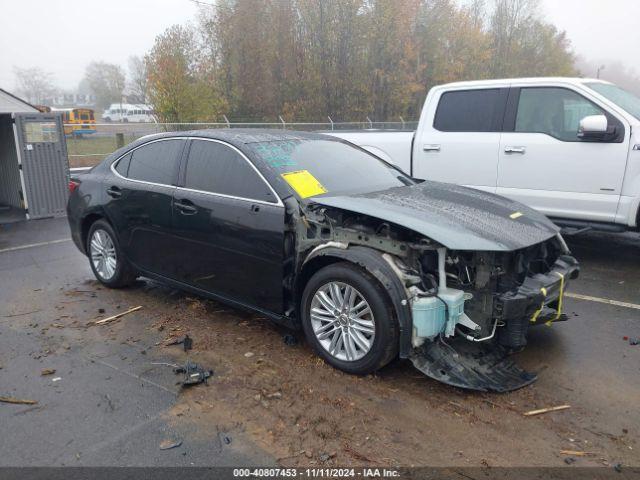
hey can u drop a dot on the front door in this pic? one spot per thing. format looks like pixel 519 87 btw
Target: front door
pixel 138 201
pixel 229 227
pixel 462 144
pixel 545 165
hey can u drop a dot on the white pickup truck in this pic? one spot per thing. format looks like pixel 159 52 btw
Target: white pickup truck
pixel 569 147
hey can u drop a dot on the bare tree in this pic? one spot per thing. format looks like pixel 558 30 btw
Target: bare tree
pixel 34 84
pixel 138 74
pixel 107 81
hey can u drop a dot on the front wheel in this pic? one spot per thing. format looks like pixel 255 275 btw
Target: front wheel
pixel 349 320
pixel 105 256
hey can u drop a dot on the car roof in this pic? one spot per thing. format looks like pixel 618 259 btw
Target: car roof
pixel 523 81
pixel 239 137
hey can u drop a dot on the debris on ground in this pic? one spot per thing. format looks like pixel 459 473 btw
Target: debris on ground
pixel 48 371
pixel 634 341
pixel 356 455
pixel 117 316
pixel 249 354
pixel 225 439
pixel 193 374
pixel 170 443
pixel 290 340
pixel 56 379
pixel 531 413
pixel 186 342
pixel 18 401
pixel 576 453
pixel 569 460
pixel 326 456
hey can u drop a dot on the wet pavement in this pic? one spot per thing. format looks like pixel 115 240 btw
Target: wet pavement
pixel 112 406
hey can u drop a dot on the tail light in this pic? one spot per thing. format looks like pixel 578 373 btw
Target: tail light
pixel 73 185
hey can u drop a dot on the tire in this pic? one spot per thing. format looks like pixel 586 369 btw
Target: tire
pixel 106 244
pixel 382 345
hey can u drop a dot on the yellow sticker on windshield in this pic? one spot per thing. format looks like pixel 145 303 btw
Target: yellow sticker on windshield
pixel 305 184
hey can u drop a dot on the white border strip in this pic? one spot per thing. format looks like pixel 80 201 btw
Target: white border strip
pixel 602 300
pixel 33 245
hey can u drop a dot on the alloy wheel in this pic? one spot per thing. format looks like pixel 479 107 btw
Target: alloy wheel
pixel 342 321
pixel 103 254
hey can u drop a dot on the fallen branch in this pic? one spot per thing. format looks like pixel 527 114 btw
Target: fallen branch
pixel 18 401
pixel 576 453
pixel 546 410
pixel 116 317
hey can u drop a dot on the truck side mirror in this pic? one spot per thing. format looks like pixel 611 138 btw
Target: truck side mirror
pixel 593 127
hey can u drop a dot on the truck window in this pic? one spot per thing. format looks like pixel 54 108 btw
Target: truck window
pixel 554 111
pixel 479 110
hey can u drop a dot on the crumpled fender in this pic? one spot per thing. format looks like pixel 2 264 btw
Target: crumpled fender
pixel 374 263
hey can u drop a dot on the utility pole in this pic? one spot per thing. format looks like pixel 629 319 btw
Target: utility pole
pixel 601 67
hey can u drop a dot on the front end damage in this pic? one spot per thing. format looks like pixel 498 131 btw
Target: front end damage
pixel 461 312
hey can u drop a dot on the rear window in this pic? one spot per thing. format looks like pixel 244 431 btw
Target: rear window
pixel 471 111
pixel 312 167
pixel 155 162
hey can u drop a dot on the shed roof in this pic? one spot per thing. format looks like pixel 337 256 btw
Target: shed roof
pixel 9 103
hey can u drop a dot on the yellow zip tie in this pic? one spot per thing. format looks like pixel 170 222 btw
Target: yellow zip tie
pixel 535 315
pixel 560 295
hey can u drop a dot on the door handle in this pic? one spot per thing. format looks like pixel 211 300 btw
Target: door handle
pixel 114 192
pixel 255 208
pixel 431 148
pixel 519 150
pixel 185 207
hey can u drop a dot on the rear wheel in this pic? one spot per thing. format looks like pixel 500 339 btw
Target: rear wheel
pixel 105 256
pixel 347 317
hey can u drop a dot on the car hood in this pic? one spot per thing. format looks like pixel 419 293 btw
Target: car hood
pixel 457 217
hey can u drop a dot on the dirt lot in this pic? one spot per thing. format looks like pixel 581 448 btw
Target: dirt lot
pixel 278 403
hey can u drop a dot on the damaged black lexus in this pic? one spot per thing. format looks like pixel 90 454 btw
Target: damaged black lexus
pixel 319 234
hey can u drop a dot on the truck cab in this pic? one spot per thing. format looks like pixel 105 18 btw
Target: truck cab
pixel 568 147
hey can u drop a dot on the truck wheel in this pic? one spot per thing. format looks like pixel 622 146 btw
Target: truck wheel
pixel 348 319
pixel 105 257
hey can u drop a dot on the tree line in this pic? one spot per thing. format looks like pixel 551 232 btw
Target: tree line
pixel 309 59
pixel 253 60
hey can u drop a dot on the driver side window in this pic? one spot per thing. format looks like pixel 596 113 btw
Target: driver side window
pixel 554 111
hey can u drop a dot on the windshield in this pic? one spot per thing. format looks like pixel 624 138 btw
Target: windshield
pixel 625 100
pixel 326 167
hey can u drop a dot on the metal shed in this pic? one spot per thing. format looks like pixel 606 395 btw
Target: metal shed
pixel 34 169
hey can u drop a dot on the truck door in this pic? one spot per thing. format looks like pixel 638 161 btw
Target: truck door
pixel 544 164
pixel 461 144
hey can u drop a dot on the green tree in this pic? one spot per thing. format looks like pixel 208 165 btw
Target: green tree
pixel 181 89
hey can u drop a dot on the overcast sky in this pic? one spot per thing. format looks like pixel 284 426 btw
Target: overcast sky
pixel 63 36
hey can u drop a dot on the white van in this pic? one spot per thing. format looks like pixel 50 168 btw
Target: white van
pixel 128 112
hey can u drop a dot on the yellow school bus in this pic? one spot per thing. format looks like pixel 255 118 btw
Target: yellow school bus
pixel 77 121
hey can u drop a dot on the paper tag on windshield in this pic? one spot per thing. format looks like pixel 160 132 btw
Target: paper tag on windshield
pixel 305 184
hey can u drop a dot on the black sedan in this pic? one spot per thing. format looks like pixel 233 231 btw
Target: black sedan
pixel 318 234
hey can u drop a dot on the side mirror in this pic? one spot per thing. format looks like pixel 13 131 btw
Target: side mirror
pixel 593 127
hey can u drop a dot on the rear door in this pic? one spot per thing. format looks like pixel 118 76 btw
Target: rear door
pixel 544 164
pixel 229 227
pixel 138 198
pixel 44 167
pixel 461 144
